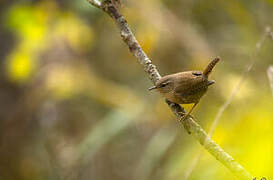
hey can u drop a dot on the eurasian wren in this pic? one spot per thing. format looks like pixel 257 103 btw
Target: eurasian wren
pixel 186 87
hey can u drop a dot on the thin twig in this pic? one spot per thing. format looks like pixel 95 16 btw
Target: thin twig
pixel 189 124
pixel 238 86
pixel 270 32
pixel 270 77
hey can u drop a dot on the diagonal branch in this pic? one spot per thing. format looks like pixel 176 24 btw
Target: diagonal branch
pixel 189 124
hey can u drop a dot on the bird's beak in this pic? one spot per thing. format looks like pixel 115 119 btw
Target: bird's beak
pixel 210 82
pixel 151 88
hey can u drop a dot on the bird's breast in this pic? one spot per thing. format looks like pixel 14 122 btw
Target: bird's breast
pixel 185 97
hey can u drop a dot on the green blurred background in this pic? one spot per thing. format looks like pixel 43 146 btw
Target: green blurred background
pixel 74 102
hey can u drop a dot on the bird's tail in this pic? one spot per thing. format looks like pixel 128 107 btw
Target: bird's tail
pixel 210 66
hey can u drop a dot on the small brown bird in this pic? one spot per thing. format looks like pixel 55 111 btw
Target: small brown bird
pixel 186 87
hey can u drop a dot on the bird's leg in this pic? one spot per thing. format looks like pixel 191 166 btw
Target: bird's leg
pixel 186 115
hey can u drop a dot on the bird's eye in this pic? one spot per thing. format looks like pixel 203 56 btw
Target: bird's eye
pixel 164 84
pixel 197 73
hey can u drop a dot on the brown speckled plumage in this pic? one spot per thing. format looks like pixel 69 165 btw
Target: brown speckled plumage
pixel 183 87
